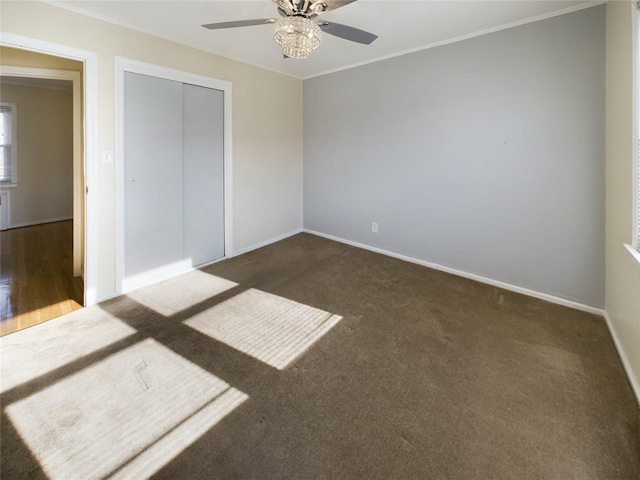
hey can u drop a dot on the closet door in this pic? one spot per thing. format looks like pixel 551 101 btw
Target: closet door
pixel 203 170
pixel 153 174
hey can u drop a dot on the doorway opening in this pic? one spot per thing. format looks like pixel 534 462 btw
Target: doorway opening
pixel 43 224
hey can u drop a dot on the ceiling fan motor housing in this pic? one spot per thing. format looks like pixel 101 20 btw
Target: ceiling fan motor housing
pixel 300 8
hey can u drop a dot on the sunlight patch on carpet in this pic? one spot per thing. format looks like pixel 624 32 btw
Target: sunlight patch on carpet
pixel 38 350
pixel 267 327
pixel 179 293
pixel 126 416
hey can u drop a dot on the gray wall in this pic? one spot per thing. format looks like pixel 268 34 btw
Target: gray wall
pixel 485 156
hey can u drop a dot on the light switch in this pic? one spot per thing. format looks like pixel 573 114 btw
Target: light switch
pixel 107 156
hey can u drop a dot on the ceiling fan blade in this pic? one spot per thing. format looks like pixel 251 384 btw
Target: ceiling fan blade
pixel 348 33
pixel 239 23
pixel 333 4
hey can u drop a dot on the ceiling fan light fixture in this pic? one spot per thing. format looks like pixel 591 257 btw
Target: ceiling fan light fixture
pixel 297 36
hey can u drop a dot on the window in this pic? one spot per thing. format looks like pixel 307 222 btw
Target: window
pixel 8 143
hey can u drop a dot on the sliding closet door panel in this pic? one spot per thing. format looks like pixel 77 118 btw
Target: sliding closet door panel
pixel 153 174
pixel 203 164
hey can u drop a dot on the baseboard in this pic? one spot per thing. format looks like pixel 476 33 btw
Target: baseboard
pixel 266 242
pixel 104 298
pixel 156 275
pixel 40 222
pixel 635 385
pixel 174 270
pixel 472 276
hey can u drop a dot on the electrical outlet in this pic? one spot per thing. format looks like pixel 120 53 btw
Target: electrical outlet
pixel 374 227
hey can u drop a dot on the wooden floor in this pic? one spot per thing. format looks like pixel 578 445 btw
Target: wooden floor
pixel 36 276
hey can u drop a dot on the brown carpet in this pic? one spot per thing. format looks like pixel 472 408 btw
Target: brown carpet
pixel 425 376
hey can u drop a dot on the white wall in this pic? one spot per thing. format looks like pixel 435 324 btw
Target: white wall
pixel 267 166
pixel 485 156
pixel 45 154
pixel 623 272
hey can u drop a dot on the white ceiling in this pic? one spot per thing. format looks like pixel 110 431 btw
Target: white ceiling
pixel 402 26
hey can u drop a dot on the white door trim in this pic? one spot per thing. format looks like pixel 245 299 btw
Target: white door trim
pixel 90 119
pixel 123 65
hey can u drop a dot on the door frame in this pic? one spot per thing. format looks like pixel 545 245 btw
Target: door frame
pixel 84 159
pixel 122 66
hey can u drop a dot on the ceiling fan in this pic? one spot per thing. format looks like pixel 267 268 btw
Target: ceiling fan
pixel 297 32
